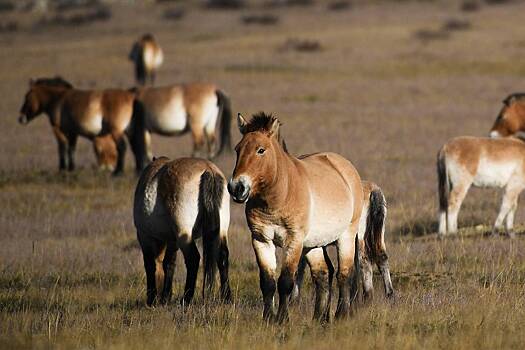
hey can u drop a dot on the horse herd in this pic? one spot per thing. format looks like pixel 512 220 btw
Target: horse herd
pixel 302 204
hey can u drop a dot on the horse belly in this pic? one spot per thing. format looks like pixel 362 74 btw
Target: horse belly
pixel 171 120
pixel 328 221
pixel 493 174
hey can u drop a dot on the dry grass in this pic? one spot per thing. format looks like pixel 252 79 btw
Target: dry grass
pixel 71 275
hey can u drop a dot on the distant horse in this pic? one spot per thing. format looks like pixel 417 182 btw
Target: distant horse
pixel 148 57
pixel 177 202
pixel 90 114
pixel 482 162
pixel 372 248
pixel 511 118
pixel 198 108
pixel 106 152
pixel 300 204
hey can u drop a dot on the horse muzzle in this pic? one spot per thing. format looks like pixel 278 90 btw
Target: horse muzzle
pixel 494 134
pixel 22 119
pixel 239 190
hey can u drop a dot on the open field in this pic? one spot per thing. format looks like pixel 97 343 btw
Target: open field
pixel 386 89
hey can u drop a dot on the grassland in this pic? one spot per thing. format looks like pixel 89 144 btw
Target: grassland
pixel 71 272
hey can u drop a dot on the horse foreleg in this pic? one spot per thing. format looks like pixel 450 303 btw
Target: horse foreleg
pixel 508 207
pixel 72 144
pixel 191 259
pixel 121 154
pixel 292 255
pixel 62 148
pixel 322 274
pixel 223 266
pixel 267 261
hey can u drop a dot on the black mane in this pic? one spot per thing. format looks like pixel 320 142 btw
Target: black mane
pixel 263 122
pixel 518 96
pixel 53 82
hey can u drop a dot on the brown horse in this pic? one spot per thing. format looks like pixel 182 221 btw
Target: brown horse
pixel 372 248
pixel 106 152
pixel 177 202
pixel 90 114
pixel 482 162
pixel 511 118
pixel 148 57
pixel 197 107
pixel 300 204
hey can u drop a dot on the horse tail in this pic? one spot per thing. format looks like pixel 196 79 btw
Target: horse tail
pixel 354 287
pixel 444 186
pixel 137 135
pixel 211 189
pixel 225 117
pixel 375 224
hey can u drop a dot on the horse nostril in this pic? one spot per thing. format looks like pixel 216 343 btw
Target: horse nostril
pixel 231 187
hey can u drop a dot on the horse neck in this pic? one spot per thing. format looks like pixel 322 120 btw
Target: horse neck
pixel 280 189
pixel 50 96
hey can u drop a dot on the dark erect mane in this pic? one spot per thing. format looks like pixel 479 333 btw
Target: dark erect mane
pixel 263 122
pixel 53 82
pixel 260 122
pixel 519 96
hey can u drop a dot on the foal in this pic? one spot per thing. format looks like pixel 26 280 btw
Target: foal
pixel 482 162
pixel 177 202
pixel 300 204
pixel 147 56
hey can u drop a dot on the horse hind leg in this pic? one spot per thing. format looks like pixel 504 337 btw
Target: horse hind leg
pixel 191 260
pixel 121 150
pixel 457 195
pixel 72 144
pixel 322 272
pixel 367 273
pixel 149 253
pixel 168 265
pixel 223 266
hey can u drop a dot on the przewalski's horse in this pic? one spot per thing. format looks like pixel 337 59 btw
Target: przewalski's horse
pixel 90 114
pixel 177 202
pixel 482 162
pixel 147 56
pixel 198 108
pixel 511 118
pixel 300 204
pixel 106 152
pixel 372 248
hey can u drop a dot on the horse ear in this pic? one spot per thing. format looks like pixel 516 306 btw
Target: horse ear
pixel 241 123
pixel 274 128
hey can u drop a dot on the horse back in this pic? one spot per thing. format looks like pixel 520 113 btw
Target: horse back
pixel 484 161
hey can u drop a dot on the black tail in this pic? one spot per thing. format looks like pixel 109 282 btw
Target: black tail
pixel 375 223
pixel 225 117
pixel 443 183
pixel 211 189
pixel 136 135
pixel 354 286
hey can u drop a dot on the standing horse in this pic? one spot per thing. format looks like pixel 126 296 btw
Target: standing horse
pixel 197 107
pixel 300 204
pixel 147 56
pixel 511 118
pixel 177 202
pixel 372 248
pixel 90 114
pixel 482 162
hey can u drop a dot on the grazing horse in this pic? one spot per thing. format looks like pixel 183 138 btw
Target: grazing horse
pixel 177 202
pixel 106 152
pixel 372 248
pixel 511 118
pixel 148 57
pixel 90 114
pixel 198 107
pixel 482 162
pixel 300 204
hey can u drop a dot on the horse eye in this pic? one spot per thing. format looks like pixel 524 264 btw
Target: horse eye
pixel 260 150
